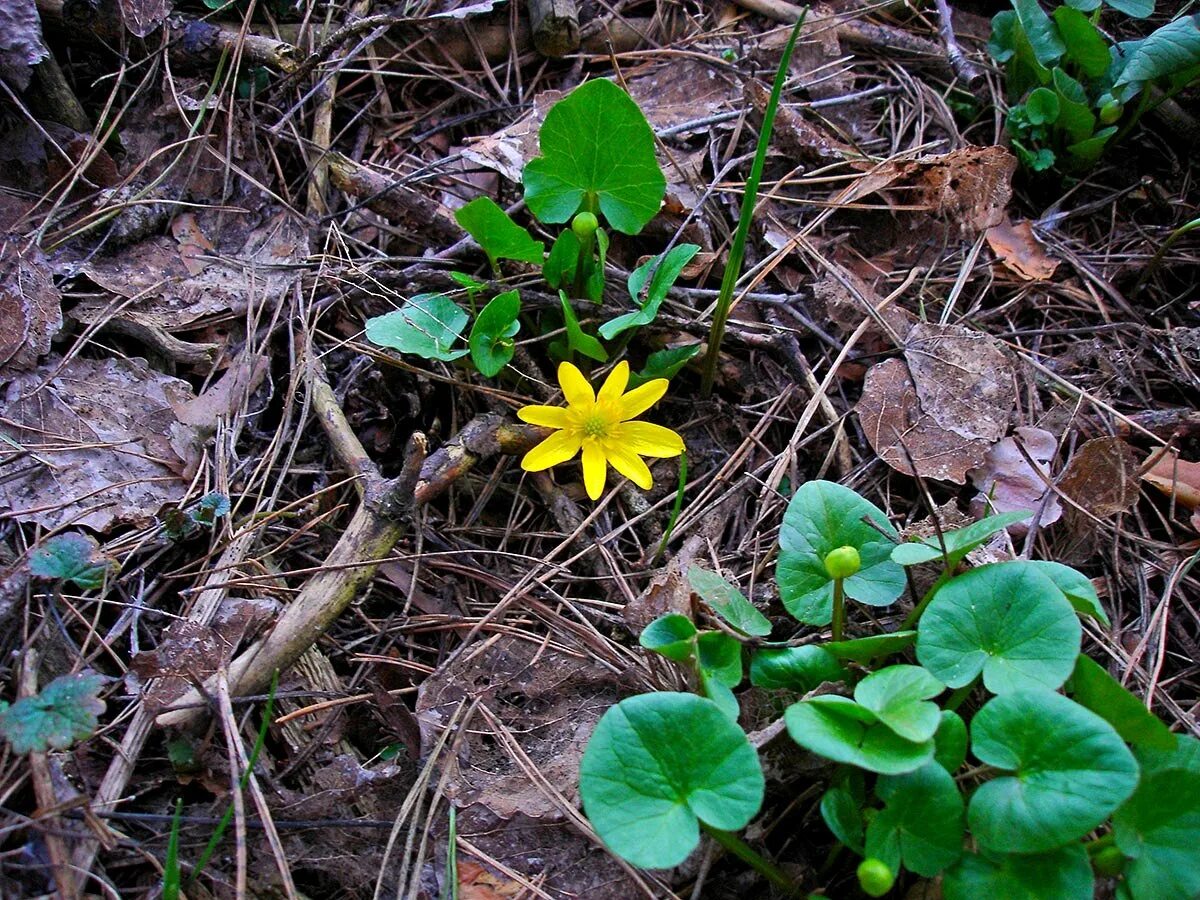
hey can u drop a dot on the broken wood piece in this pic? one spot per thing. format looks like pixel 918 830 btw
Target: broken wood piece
pixel 555 26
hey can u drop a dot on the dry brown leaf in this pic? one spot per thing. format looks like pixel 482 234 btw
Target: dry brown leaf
pixel 224 398
pixel 477 883
pixel 682 91
pixel 1176 478
pixel 30 307
pixel 508 149
pixel 940 408
pixel 1018 248
pixel 1007 482
pixel 21 45
pixel 1102 477
pixel 92 443
pixel 193 243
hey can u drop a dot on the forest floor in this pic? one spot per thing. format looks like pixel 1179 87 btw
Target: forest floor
pixel 202 218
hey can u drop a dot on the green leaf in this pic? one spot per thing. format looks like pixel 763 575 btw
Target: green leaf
pixel 864 649
pixel 1084 154
pixel 1007 621
pixel 719 656
pixel 799 669
pixel 1159 828
pixel 1041 106
pixel 950 741
pixel 1064 874
pixel 843 816
pixel 921 823
pixel 821 517
pixel 1085 5
pixel 1002 43
pixel 899 697
pixel 428 325
pixel 1075 116
pixel 672 636
pixel 1043 37
pixel 844 731
pixel 1076 587
pixel 1085 47
pixel 728 602
pixel 665 268
pixel 65 711
pixel 1138 9
pixel 491 336
pixel 663 364
pixel 1070 772
pixel 577 339
pixel 72 557
pixel 1185 755
pixel 212 506
pixel 1093 688
pixel 958 542
pixel 658 762
pixel 559 268
pixel 594 287
pixel 1172 48
pixel 596 148
pixel 470 283
pixel 719 693
pixel 498 235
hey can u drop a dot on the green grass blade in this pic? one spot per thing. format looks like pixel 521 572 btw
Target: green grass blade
pixel 737 251
pixel 171 881
pixel 452 855
pixel 676 509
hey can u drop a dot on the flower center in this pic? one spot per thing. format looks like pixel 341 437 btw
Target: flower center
pixel 595 427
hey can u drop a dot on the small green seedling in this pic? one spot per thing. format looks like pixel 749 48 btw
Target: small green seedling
pixel 73 557
pixel 63 712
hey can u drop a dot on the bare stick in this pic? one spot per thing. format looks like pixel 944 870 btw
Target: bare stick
pixel 555 26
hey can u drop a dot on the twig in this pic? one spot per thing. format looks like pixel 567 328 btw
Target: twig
pixel 963 67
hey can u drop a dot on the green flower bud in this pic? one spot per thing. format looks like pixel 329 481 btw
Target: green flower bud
pixel 1109 861
pixel 1111 111
pixel 842 562
pixel 875 878
pixel 584 225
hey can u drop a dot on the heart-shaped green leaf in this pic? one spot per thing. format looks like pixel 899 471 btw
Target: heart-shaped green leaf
pixel 844 731
pixel 663 364
pixel 720 656
pixel 1093 688
pixel 498 235
pixel 899 696
pixel 662 271
pixel 823 516
pixel 65 711
pixel 921 823
pixel 658 762
pixel 958 542
pixel 950 741
pixel 597 152
pixel 1064 874
pixel 672 636
pixel 1070 771
pixel 1076 587
pixel 1042 106
pixel 864 649
pixel 491 336
pixel 1159 828
pixel 1085 47
pixel 728 602
pixel 798 669
pixel 72 557
pixel 1007 621
pixel 428 325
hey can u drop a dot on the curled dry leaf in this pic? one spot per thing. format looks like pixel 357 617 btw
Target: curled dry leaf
pixel 1176 478
pixel 936 412
pixel 1008 482
pixel 30 307
pixel 93 443
pixel 1016 246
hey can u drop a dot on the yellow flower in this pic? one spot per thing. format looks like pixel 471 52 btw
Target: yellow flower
pixel 600 426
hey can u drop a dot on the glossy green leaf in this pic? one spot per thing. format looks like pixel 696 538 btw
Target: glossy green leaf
pixel 1184 755
pixel 1093 688
pixel 821 517
pixel 1076 587
pixel 596 148
pixel 594 285
pixel 1048 47
pixel 1062 874
pixel 1085 46
pixel 1138 9
pixel 672 636
pixel 1070 772
pixel 63 712
pixel 212 506
pixel 728 602
pixel 720 656
pixel 1076 120
pixel 658 762
pixel 1041 106
pixel 559 268
pixel 1084 154
pixel 663 364
pixel 72 557
pixel 899 696
pixel 662 272
pixel 1007 621
pixel 875 646
pixel 1002 43
pixel 843 816
pixel 950 741
pixel 719 693
pixel 1159 828
pixel 1084 5
pixel 844 731
pixel 497 234
pixel 799 669
pixel 921 823
pixel 958 542
pixel 577 339
pixel 428 326
pixel 1175 47
pixel 491 340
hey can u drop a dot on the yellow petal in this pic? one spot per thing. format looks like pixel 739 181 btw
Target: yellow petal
pixel 595 468
pixel 642 398
pixel 546 416
pixel 630 465
pixel 615 384
pixel 557 448
pixel 648 439
pixel 574 386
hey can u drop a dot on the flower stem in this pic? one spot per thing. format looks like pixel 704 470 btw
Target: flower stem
pixel 915 616
pixel 746 854
pixel 955 700
pixel 839 608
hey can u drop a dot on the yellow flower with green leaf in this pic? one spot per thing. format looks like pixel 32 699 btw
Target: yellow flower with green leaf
pixel 600 426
